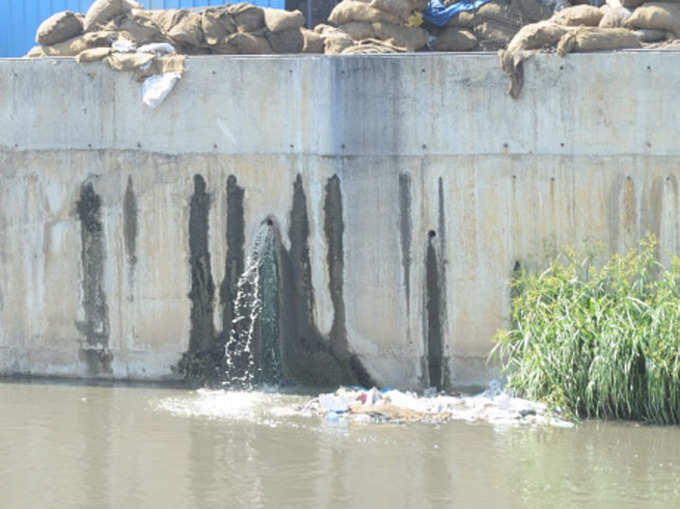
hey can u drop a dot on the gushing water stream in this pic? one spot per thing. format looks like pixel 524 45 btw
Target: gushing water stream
pixel 252 350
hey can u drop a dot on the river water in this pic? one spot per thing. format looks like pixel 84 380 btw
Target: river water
pixel 80 446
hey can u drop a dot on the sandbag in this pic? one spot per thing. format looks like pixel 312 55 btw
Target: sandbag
pixel 541 35
pixel 579 15
pixel 596 39
pixel 168 18
pixel 35 52
pixel 533 10
pixel 128 61
pixel 322 28
pixel 465 19
pixel 188 31
pixel 614 17
pixel 372 47
pixel 161 65
pixel 277 20
pixel 500 13
pixel 411 38
pixel 401 9
pixel 248 18
pixel 336 42
pixel 454 39
pixel 353 10
pixel 656 16
pixel 79 44
pixel 138 26
pixel 286 41
pixel 102 11
pixel 494 35
pixel 249 44
pixel 358 30
pixel 313 42
pixel 93 55
pixel 217 23
pixel 58 28
pixel 650 35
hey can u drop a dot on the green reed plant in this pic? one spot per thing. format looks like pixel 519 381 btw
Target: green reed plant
pixel 597 341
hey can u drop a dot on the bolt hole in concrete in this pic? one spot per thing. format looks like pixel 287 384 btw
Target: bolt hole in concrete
pixel 431 234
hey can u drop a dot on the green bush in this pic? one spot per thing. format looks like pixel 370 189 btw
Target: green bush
pixel 597 341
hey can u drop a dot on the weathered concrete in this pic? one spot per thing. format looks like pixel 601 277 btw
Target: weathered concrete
pixel 410 167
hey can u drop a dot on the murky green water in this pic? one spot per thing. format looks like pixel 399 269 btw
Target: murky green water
pixel 125 447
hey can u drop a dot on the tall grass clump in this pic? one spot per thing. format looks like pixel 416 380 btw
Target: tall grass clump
pixel 598 342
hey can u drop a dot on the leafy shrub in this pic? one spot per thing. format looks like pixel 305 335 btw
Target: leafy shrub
pixel 597 341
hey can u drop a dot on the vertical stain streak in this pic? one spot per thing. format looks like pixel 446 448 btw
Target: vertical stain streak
pixel 334 230
pixel 202 287
pixel 405 230
pixel 299 253
pixel 443 262
pixel 96 329
pixel 433 315
pixel 130 225
pixel 235 263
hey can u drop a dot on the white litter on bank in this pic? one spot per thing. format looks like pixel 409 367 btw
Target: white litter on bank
pixel 493 406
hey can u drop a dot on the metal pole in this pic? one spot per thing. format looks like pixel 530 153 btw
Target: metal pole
pixel 309 14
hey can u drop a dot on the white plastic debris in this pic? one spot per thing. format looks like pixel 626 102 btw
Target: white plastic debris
pixel 157 87
pixel 159 48
pixel 332 403
pixel 123 45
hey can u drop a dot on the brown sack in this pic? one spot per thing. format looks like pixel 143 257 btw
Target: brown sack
pixel 35 52
pixel 58 28
pixel 79 44
pixel 650 35
pixel 533 10
pixel 249 44
pixel 188 31
pixel 372 47
pixel 352 10
pixel 103 11
pixel 657 16
pixel 93 55
pixel 536 36
pixel 217 23
pixel 465 19
pixel 128 61
pixel 358 30
pixel 614 17
pixel 579 15
pixel 248 18
pixel 411 38
pixel 401 9
pixel 313 41
pixel 277 20
pixel 494 35
pixel 336 42
pixel 454 39
pixel 596 39
pixel 138 26
pixel 286 41
pixel 168 18
pixel 161 65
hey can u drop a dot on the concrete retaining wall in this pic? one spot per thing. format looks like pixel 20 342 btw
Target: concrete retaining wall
pixel 445 183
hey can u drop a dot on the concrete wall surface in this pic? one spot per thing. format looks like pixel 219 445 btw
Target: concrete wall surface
pixel 403 190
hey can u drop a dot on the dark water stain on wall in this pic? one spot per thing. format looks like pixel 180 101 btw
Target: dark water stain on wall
pixel 130 226
pixel 235 262
pixel 433 317
pixel 405 233
pixel 334 229
pixel 95 328
pixel 198 364
pixel 308 357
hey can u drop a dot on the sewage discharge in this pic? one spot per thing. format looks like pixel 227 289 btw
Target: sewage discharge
pixel 252 351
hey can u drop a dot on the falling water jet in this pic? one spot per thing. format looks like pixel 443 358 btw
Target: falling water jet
pixel 252 351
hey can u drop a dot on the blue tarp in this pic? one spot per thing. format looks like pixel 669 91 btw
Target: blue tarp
pixel 439 14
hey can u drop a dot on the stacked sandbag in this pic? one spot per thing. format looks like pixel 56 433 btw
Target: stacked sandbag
pixel 496 23
pixel 124 25
pixel 662 16
pixel 394 22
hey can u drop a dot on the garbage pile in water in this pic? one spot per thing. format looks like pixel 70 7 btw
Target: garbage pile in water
pixel 356 404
